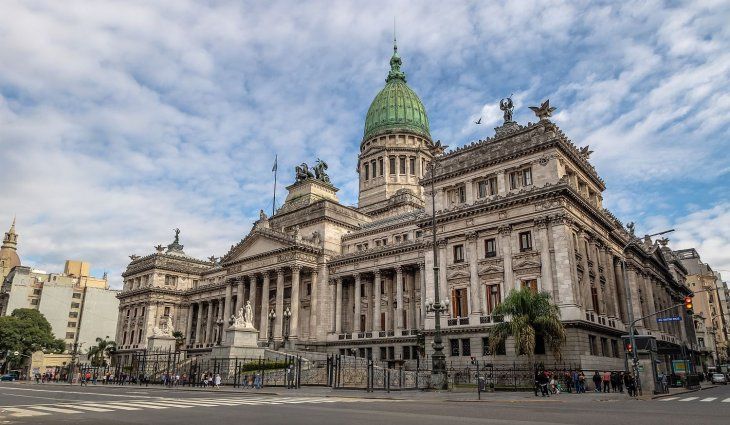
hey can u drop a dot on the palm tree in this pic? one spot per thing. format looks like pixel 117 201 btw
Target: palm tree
pixel 531 314
pixel 103 349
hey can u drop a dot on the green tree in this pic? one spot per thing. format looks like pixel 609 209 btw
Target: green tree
pixel 531 314
pixel 102 351
pixel 26 330
pixel 179 339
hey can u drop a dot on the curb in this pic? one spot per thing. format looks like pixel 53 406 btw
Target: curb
pixel 681 392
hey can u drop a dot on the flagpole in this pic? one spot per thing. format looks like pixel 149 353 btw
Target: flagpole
pixel 276 168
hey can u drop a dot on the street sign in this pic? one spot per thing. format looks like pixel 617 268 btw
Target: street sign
pixel 669 319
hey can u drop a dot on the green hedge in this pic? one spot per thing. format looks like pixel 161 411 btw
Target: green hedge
pixel 264 365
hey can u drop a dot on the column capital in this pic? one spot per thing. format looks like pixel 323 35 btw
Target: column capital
pixel 471 236
pixel 505 230
pixel 441 243
pixel 422 266
pixel 280 272
pixel 295 267
pixel 376 272
pixel 357 276
pixel 398 269
pixel 542 222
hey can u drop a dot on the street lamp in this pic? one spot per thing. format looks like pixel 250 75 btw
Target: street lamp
pixel 632 339
pixel 287 316
pixel 438 359
pixel 272 317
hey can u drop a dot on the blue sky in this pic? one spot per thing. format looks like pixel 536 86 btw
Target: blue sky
pixel 122 120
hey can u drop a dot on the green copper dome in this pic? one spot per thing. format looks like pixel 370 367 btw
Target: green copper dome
pixel 396 107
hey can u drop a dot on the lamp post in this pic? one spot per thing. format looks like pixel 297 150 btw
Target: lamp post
pixel 272 317
pixel 629 305
pixel 438 359
pixel 287 316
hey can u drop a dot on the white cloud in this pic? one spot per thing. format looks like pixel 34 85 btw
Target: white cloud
pixel 120 121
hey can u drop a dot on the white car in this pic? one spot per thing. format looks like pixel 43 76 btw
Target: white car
pixel 718 378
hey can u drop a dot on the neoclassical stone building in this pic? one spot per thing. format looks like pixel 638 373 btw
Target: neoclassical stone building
pixel 522 208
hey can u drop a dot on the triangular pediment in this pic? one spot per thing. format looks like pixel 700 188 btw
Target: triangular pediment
pixel 259 242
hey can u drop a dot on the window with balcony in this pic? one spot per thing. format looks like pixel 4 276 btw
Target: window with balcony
pixel 490 248
pixel 493 298
pixel 459 302
pixel 525 241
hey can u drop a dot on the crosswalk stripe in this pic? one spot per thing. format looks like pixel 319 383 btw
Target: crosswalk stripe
pixel 90 408
pixel 137 404
pixel 118 405
pixel 15 411
pixel 727 400
pixel 669 399
pixel 689 399
pixel 54 409
pixel 709 399
pixel 162 403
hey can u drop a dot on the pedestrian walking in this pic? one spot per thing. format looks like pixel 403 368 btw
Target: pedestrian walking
pixel 582 382
pixel 257 381
pixel 614 381
pixel 596 382
pixel 606 382
pixel 628 383
pixel 217 380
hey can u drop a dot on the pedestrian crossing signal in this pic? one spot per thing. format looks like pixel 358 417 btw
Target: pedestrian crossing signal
pixel 688 305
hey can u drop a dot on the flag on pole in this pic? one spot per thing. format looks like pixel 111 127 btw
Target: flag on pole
pixel 276 164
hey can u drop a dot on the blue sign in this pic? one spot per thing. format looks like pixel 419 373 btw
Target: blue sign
pixel 669 319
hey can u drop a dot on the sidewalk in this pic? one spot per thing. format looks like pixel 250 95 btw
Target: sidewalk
pixel 678 391
pixel 411 395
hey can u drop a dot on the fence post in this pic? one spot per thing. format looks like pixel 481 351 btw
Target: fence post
pixel 235 375
pixel 479 383
pixel 299 372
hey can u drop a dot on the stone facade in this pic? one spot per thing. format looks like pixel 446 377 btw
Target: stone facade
pixel 520 209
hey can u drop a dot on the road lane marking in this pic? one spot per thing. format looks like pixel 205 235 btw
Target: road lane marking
pixel 669 399
pixel 727 400
pixel 23 412
pixel 709 399
pixel 90 408
pixel 55 409
pixel 689 399
pixel 117 405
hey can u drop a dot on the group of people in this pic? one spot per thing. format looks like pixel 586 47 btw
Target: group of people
pixel 547 382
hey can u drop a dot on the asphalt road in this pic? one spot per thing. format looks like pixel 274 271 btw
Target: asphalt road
pixel 38 404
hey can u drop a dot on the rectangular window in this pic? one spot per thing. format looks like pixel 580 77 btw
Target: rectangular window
pixel 37 292
pixel 454 343
pixel 380 165
pixel 458 253
pixel 539 344
pixel 459 302
pixel 592 345
pixel 139 337
pixel 466 347
pixel 614 348
pixel 167 311
pixel 493 298
pixel 70 335
pixel 124 338
pixel 492 182
pixel 76 295
pixel 461 194
pixel 309 289
pixel 75 305
pixel 490 248
pixel 135 313
pixel 406 352
pixel 34 301
pixel 482 189
pixel 604 348
pixel 367 171
pixel 527 177
pixel 403 165
pixel 373 169
pixel 391 168
pixel 594 299
pixel 525 241
pixel 383 353
pixel 412 166
pixel 500 351
pixel 530 283
pixel 514 180
pixel 75 314
pixel 71 324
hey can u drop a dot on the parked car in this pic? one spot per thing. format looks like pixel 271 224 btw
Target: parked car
pixel 719 378
pixel 8 377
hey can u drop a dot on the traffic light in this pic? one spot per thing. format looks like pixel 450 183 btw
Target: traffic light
pixel 688 304
pixel 629 348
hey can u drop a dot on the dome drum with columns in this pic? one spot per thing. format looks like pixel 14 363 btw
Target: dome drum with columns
pixel 520 209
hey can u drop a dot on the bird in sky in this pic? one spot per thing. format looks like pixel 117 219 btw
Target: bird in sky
pixel 479 121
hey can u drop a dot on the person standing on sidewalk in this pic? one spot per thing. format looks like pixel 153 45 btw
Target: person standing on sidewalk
pixel 596 382
pixel 606 382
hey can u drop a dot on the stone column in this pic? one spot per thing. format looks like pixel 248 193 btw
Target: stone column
pixel 399 298
pixel 338 306
pixel 313 307
pixel 602 298
pixel 278 324
pixel 209 324
pixel 546 270
pixel 199 324
pixel 239 294
pixel 412 306
pixel 473 258
pixel 252 295
pixel 358 304
pixel 422 280
pixel 620 288
pixel 505 242
pixel 443 284
pixel 227 305
pixel 189 326
pixel 376 301
pixel 635 302
pixel 585 282
pixel 264 323
pixel 294 320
